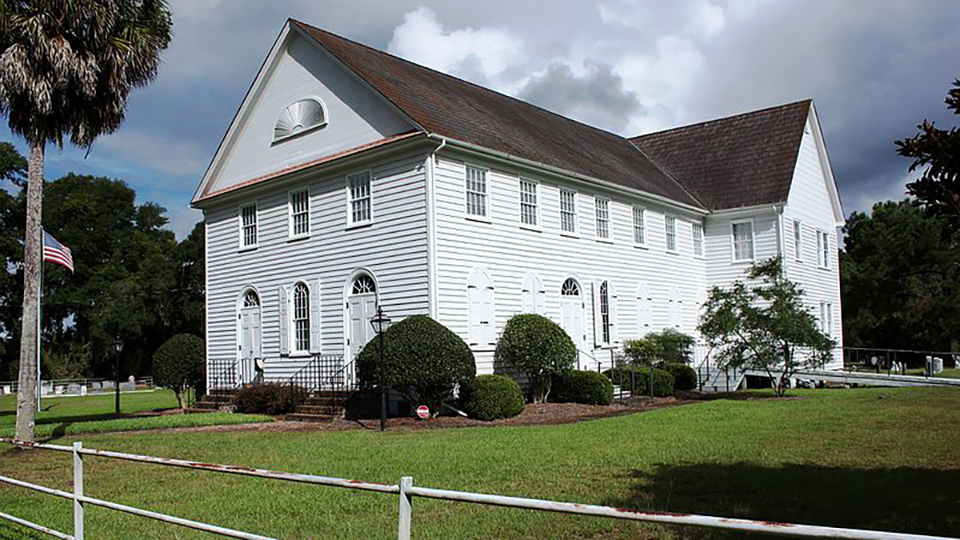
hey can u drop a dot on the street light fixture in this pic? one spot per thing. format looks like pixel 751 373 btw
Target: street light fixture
pixel 118 347
pixel 381 322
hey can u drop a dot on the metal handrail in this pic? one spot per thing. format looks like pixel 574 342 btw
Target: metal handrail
pixel 590 356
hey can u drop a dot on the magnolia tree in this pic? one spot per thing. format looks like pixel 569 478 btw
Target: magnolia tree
pixel 764 326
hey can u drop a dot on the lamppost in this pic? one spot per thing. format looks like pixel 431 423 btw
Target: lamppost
pixel 118 348
pixel 380 323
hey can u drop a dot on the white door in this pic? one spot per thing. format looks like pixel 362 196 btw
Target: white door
pixel 361 308
pixel 250 334
pixel 571 313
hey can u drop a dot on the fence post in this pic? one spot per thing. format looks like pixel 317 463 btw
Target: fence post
pixel 406 508
pixel 77 491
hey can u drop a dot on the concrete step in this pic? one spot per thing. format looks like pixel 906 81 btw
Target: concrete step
pixel 302 417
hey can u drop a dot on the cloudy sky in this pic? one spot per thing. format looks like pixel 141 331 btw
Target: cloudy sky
pixel 875 68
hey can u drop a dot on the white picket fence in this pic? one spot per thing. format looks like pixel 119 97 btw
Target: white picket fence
pixel 406 491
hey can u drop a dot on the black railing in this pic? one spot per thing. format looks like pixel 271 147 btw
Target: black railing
pixel 326 376
pixel 225 375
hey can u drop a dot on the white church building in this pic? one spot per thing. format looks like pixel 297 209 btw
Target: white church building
pixel 351 179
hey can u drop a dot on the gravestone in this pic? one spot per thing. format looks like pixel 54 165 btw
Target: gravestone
pixel 108 385
pixel 95 386
pixel 4 390
pixel 73 389
pixel 127 386
pixel 45 388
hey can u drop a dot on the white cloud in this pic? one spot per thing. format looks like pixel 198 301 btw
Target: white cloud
pixel 157 152
pixel 880 191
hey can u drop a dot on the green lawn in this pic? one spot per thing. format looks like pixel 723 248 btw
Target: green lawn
pixel 64 416
pixel 873 458
pixel 951 373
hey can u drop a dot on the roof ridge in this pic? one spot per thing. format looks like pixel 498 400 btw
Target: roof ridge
pixel 807 101
pixel 463 81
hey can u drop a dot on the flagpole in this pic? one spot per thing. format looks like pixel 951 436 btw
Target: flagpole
pixel 39 317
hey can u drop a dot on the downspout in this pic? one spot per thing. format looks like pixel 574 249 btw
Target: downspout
pixel 778 209
pixel 430 190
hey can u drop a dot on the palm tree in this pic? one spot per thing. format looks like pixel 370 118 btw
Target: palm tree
pixel 67 68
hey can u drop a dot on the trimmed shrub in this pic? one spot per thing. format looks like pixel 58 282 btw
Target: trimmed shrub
pixel 684 376
pixel 538 347
pixel 588 387
pixel 663 382
pixel 178 364
pixel 490 397
pixel 423 360
pixel 668 345
pixel 269 398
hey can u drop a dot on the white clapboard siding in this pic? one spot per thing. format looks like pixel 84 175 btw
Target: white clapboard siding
pixel 393 248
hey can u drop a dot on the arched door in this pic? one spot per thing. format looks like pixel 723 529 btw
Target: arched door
pixel 361 307
pixel 571 312
pixel 250 333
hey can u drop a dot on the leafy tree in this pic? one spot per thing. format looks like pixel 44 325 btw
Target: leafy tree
pixel 537 347
pixel 667 346
pixel 938 188
pixel 900 280
pixel 13 166
pixel 67 70
pixel 178 364
pixel 763 327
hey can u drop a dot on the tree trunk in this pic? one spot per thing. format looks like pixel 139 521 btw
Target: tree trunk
pixel 32 259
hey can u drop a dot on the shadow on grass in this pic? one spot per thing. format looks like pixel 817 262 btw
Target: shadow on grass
pixel 924 501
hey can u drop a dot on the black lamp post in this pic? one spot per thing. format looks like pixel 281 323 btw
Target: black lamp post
pixel 380 323
pixel 118 348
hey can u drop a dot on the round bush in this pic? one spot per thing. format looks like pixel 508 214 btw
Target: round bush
pixel 684 376
pixel 588 387
pixel 663 382
pixel 269 398
pixel 538 347
pixel 422 358
pixel 491 397
pixel 178 364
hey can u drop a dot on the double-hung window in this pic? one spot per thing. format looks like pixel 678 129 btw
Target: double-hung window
pixel 797 240
pixel 299 213
pixel 529 209
pixel 826 318
pixel 301 318
pixel 698 239
pixel 742 241
pixel 248 226
pixel 603 218
pixel 823 249
pixel 359 193
pixel 670 229
pixel 568 211
pixel 476 191
pixel 639 226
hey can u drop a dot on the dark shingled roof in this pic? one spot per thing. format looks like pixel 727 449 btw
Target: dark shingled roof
pixel 472 114
pixel 742 160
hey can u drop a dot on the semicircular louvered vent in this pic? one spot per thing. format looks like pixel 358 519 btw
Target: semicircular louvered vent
pixel 300 116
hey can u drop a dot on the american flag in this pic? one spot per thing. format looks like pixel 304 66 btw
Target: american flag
pixel 56 252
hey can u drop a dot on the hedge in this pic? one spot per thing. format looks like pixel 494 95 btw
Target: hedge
pixel 663 381
pixel 490 397
pixel 269 398
pixel 684 376
pixel 538 347
pixel 588 387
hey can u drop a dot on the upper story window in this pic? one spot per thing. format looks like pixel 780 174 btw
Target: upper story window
pixel 248 226
pixel 797 240
pixel 603 217
pixel 742 241
pixel 300 117
pixel 301 318
pixel 568 211
pixel 670 229
pixel 698 239
pixel 476 191
pixel 639 226
pixel 299 213
pixel 823 249
pixel 529 208
pixel 358 186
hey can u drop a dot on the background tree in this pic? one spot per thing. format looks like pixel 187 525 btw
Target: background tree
pixel 67 69
pixel 900 280
pixel 938 188
pixel 763 327
pixel 178 364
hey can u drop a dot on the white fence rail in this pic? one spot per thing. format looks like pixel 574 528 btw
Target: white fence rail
pixel 406 491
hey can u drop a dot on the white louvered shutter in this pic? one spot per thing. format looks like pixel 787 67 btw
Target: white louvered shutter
pixel 613 300
pixel 284 321
pixel 315 316
pixel 474 308
pixel 489 315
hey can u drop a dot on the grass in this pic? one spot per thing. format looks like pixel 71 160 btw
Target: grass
pixel 871 458
pixel 65 416
pixel 950 373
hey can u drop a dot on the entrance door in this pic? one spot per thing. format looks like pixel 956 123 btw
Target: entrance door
pixel 571 312
pixel 361 307
pixel 250 344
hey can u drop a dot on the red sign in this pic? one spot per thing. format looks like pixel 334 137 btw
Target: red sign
pixel 423 412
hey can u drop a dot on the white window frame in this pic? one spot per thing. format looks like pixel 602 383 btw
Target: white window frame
pixel 696 233
pixel 605 204
pixel 826 318
pixel 639 229
pixel 351 222
pixel 574 213
pixel 292 214
pixel 241 241
pixel 295 349
pixel 733 241
pixel 669 219
pixel 798 240
pixel 484 196
pixel 823 250
pixel 536 204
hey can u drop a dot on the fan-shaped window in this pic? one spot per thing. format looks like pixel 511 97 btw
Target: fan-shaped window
pixel 364 285
pixel 570 287
pixel 250 299
pixel 301 116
